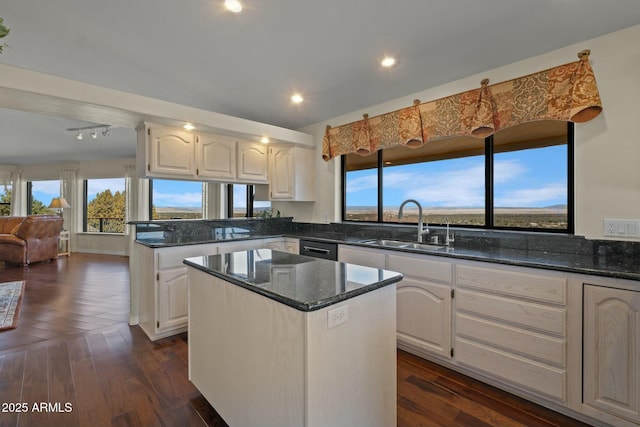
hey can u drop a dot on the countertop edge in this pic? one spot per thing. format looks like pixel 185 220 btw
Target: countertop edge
pixel 300 306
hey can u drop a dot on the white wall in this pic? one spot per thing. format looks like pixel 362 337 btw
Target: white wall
pixel 607 155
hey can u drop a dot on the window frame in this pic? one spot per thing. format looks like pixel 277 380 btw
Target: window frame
pixel 85 210
pixel 150 201
pixel 489 156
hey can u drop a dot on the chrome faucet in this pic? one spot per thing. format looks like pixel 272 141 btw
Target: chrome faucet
pixel 421 230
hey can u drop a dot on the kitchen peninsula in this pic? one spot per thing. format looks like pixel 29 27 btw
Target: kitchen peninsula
pixel 280 339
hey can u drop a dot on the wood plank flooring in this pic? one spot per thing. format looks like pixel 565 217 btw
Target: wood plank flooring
pixel 74 352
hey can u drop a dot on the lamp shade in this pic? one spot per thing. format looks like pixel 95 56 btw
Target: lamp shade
pixel 59 203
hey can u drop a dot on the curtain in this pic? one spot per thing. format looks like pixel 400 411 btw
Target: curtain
pixel 567 93
pixel 69 190
pixel 17 194
pixel 135 190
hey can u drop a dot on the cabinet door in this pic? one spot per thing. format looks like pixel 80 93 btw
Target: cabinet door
pixel 252 161
pixel 281 173
pixel 170 152
pixel 424 315
pixel 612 351
pixel 216 156
pixel 172 298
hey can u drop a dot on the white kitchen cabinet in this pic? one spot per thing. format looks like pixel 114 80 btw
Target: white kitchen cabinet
pixel 216 157
pixel 246 245
pixel 291 173
pixel 362 256
pixel 423 303
pixel 511 323
pixel 166 152
pixel 285 245
pixel 252 162
pixel 423 297
pixel 611 368
pixel 163 287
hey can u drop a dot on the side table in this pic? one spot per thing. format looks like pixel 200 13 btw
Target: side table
pixel 64 244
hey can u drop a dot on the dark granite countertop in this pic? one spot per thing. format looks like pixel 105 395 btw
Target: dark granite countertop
pixel 573 254
pixel 301 282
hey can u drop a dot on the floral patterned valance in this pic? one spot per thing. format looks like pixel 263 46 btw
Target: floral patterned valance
pixel 567 92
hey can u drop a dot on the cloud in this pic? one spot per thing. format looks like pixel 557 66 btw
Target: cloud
pixel 177 199
pixel 365 182
pixel 460 187
pixel 507 170
pixel 48 188
pixel 96 186
pixel 552 193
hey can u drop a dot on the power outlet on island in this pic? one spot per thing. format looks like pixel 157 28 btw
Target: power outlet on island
pixel 337 316
pixel 622 228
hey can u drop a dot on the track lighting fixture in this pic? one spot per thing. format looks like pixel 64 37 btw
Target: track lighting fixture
pixel 93 131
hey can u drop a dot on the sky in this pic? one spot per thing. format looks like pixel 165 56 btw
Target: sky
pixel 524 178
pixel 166 193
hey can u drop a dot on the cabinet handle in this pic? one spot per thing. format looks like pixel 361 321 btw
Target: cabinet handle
pixel 318 250
pixel 149 167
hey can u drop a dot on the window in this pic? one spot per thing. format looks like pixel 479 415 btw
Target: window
pixel 519 178
pixel 176 199
pixel 5 201
pixel 39 196
pixel 104 205
pixel 241 202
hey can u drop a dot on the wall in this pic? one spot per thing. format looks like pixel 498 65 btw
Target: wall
pixel 607 175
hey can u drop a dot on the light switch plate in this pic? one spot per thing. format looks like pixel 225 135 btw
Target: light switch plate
pixel 621 228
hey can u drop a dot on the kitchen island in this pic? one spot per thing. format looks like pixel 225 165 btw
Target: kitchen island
pixel 278 339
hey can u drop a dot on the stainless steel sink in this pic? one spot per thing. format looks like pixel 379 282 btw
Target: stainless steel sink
pixel 404 245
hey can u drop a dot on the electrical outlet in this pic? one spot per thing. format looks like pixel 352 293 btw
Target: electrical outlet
pixel 337 316
pixel 621 227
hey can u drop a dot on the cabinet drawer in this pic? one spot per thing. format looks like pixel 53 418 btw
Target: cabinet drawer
pixel 173 257
pixel 528 314
pixel 529 374
pixel 546 288
pixel 534 345
pixel 421 268
pixel 366 257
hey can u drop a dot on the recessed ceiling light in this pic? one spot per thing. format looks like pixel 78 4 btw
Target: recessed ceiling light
pixel 189 126
pixel 388 61
pixel 296 98
pixel 264 140
pixel 233 6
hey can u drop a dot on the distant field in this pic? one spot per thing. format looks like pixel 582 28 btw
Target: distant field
pixel 521 218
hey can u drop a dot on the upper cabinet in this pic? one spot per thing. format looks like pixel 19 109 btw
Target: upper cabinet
pixel 168 152
pixel 252 162
pixel 216 157
pixel 291 173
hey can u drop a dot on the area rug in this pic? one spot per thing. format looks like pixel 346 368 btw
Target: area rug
pixel 10 300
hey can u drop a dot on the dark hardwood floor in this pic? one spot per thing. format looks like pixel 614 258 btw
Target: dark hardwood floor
pixel 74 352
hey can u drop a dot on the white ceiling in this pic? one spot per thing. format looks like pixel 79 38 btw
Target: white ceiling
pixel 195 53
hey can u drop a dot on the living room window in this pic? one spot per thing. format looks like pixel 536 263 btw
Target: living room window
pixel 175 199
pixel 5 201
pixel 520 178
pixel 104 205
pixel 39 196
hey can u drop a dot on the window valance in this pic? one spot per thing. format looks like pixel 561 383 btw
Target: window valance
pixel 567 92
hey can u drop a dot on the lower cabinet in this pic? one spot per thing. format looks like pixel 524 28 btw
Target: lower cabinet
pixel 511 323
pixel 164 287
pixel 172 298
pixel 423 297
pixel 611 370
pixel 423 304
